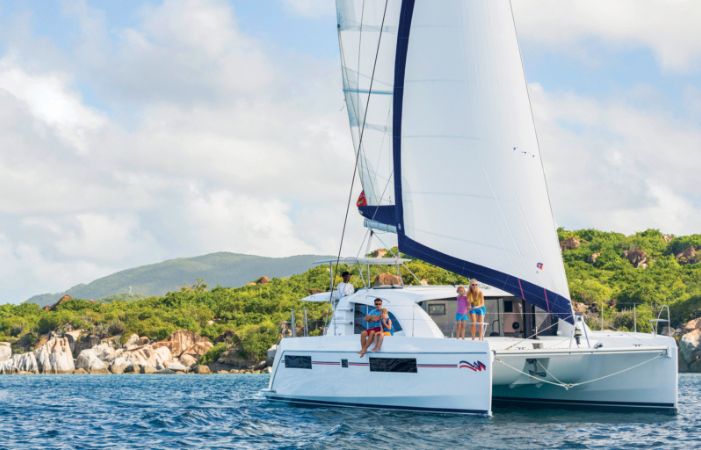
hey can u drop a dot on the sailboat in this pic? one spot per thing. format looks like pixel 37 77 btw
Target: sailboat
pixel 449 160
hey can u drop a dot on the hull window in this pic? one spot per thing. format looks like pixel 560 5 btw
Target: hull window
pixel 298 362
pixel 404 365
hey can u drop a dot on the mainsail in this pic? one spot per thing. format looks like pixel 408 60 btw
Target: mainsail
pixel 469 186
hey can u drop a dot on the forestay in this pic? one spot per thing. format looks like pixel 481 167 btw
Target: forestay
pixel 470 189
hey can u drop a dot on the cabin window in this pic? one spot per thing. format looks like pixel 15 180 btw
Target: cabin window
pixel 298 362
pixel 361 311
pixel 436 309
pixel 403 365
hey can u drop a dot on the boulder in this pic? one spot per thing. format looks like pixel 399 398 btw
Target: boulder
pixel 637 257
pixel 176 366
pixel 270 355
pixel 106 352
pixel 20 363
pixel 593 257
pixel 689 327
pixel 232 358
pixel 120 365
pixel 570 243
pixel 5 351
pixel 90 362
pixel 184 341
pixel 690 350
pixel 133 342
pixel 387 279
pixel 55 356
pixel 80 371
pixel 187 360
pixel 73 337
pixel 202 370
pixel 147 369
pixel 689 256
pixel 222 372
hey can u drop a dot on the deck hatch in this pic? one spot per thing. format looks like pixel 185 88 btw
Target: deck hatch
pixel 405 365
pixel 298 362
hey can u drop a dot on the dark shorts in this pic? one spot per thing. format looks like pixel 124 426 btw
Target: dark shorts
pixel 374 330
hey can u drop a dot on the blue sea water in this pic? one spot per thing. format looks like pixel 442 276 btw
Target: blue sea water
pixel 228 411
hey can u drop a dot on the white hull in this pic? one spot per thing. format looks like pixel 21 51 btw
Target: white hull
pixel 626 376
pixel 616 377
pixel 438 375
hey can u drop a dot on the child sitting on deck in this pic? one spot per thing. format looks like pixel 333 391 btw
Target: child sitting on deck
pixel 386 323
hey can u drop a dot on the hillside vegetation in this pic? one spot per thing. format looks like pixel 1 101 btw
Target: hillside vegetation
pixel 215 269
pixel 607 272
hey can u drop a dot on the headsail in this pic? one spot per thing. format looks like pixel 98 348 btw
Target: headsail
pixel 367 33
pixel 470 190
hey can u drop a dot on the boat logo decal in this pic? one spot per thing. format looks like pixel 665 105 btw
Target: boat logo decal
pixel 539 266
pixel 477 366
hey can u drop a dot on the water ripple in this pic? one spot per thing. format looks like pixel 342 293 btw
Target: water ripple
pixel 228 411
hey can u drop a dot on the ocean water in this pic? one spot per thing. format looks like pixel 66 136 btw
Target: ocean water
pixel 228 411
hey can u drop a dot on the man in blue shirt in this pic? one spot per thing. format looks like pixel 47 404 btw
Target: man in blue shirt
pixel 373 331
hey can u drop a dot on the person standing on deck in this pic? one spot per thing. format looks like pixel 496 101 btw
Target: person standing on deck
pixel 478 311
pixel 462 306
pixel 345 288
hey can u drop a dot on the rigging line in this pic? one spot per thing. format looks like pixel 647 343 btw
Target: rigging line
pixel 360 143
pixel 537 139
pixel 568 386
pixel 556 322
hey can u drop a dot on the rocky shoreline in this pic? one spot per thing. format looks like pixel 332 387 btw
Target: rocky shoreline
pixel 76 353
pixel 182 352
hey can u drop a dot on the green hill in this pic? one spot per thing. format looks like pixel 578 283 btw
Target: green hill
pixel 215 269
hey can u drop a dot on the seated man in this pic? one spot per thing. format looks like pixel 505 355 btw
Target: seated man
pixel 374 327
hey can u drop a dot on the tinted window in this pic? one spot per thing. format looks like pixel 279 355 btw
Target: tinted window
pixel 436 309
pixel 298 362
pixel 407 365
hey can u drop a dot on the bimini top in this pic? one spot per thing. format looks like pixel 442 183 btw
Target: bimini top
pixel 414 294
pixel 365 261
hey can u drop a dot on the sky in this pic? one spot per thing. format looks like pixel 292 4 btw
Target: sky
pixel 137 131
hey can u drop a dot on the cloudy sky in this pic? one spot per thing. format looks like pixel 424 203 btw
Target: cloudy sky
pixel 137 131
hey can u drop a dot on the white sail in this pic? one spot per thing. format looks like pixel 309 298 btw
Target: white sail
pixel 368 38
pixel 472 195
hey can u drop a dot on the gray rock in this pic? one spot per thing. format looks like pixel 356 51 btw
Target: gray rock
pixel 55 356
pixel 271 355
pixel 23 362
pixel 690 349
pixel 176 366
pixel 89 361
pixel 5 351
pixel 133 342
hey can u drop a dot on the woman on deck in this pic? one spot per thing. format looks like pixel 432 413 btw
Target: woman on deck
pixel 478 311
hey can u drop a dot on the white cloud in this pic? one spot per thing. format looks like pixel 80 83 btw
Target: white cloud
pixel 48 99
pixel 668 27
pixel 615 167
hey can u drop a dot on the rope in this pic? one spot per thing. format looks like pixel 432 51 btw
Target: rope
pixel 568 386
pixel 360 144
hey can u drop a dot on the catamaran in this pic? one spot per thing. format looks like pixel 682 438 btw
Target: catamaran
pixel 449 161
